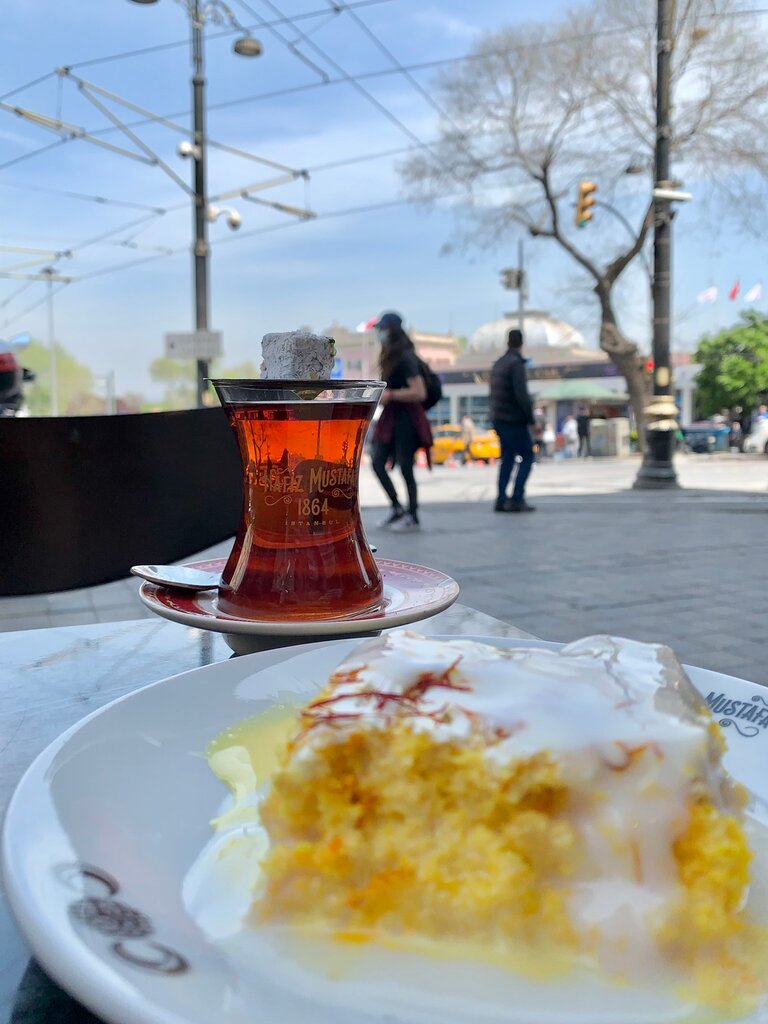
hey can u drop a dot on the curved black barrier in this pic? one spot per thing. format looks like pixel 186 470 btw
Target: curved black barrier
pixel 84 498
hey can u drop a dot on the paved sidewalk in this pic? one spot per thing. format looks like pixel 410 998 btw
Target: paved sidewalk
pixel 685 567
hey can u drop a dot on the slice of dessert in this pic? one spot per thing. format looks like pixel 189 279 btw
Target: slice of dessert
pixel 572 801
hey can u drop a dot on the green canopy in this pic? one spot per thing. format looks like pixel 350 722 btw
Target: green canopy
pixel 586 390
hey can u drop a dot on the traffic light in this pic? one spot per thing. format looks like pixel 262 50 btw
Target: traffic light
pixel 585 202
pixel 511 278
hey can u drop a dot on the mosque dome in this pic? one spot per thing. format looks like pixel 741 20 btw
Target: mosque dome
pixel 540 329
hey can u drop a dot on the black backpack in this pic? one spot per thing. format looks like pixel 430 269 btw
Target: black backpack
pixel 432 382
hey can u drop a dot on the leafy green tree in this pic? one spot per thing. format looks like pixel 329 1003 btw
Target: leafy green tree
pixel 178 376
pixel 734 365
pixel 246 369
pixel 73 378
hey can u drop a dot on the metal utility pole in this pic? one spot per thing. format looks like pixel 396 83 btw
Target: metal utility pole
pixel 521 291
pixel 198 12
pixel 514 279
pixel 200 251
pixel 54 382
pixel 657 470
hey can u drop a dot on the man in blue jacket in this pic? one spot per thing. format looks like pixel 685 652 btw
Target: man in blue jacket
pixel 512 417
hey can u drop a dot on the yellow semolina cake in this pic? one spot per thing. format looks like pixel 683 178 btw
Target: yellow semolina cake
pixel 571 801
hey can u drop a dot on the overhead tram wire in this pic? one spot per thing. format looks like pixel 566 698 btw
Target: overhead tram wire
pixel 267 229
pixel 35 305
pixel 28 85
pixel 33 152
pixel 381 107
pixel 340 5
pixel 303 16
pixel 345 79
pixel 83 196
pixel 114 268
pixel 363 76
pixel 71 251
pixel 88 89
pixel 288 43
pixel 15 294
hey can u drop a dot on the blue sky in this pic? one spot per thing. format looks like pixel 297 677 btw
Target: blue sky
pixel 343 269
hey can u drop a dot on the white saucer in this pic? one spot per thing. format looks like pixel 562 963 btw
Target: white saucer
pixel 104 826
pixel 411 592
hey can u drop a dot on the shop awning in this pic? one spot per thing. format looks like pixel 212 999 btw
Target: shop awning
pixel 584 390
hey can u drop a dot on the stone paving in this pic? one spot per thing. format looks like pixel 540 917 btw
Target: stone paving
pixel 685 567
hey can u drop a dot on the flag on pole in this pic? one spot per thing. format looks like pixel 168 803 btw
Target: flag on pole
pixel 708 295
pixel 367 325
pixel 754 294
pixel 734 292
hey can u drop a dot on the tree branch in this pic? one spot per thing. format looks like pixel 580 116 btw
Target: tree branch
pixel 557 234
pixel 617 267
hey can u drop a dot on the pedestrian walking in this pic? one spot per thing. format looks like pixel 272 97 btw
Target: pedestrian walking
pixel 548 440
pixel 537 433
pixel 584 430
pixel 570 437
pixel 403 426
pixel 512 417
pixel 468 430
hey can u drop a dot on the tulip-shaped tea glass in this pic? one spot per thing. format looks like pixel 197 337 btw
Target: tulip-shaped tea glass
pixel 300 551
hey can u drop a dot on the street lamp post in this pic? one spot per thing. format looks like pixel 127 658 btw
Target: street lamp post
pixel 200 256
pixel 657 470
pixel 198 12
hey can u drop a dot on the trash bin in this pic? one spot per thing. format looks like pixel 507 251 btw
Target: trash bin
pixel 610 437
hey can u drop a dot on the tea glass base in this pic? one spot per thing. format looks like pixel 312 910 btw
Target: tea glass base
pixel 247 643
pixel 374 604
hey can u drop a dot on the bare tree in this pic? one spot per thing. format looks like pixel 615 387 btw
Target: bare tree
pixel 536 109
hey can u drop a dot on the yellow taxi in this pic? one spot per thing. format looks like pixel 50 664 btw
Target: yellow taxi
pixel 448 442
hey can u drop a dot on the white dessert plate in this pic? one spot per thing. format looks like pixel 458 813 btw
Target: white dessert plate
pixel 105 826
pixel 411 592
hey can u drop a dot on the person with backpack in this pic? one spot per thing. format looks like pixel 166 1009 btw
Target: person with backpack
pixel 403 427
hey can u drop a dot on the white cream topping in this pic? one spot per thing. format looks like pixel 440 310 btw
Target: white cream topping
pixel 620 718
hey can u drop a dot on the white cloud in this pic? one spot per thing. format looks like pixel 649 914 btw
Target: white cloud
pixel 449 25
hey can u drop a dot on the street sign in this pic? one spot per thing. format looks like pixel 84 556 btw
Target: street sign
pixel 193 345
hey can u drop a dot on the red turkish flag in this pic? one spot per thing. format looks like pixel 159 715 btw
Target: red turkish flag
pixel 733 293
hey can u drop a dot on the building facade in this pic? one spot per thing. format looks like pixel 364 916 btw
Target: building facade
pixel 359 350
pixel 563 372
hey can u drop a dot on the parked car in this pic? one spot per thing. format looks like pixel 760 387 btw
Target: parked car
pixel 756 441
pixel 12 376
pixel 448 441
pixel 705 437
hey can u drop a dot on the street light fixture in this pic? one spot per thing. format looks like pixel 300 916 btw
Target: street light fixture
pixel 247 46
pixel 219 13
